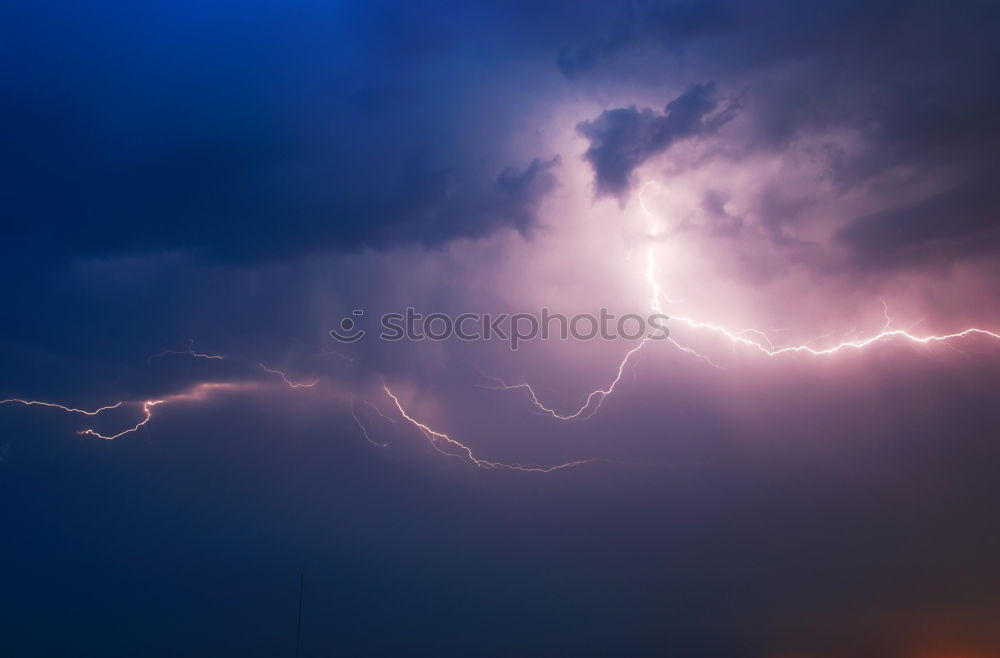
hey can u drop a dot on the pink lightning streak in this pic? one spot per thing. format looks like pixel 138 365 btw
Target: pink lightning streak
pixel 285 379
pixel 464 452
pixel 189 351
pixel 593 401
pixel 147 409
pixel 363 428
pixel 198 392
pixel 31 403
pixel 595 398
pixel 765 346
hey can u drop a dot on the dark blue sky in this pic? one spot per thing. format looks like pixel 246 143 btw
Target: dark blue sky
pixel 244 174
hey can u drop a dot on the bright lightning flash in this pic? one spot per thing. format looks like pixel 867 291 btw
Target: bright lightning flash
pixel 753 338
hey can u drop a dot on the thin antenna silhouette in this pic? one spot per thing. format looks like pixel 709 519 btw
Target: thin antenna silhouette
pixel 298 630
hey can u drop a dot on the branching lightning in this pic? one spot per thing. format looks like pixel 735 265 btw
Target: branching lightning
pixel 31 403
pixel 590 406
pixel 197 392
pixel 147 409
pixel 189 351
pixel 364 429
pixel 436 439
pixel 385 417
pixel 754 338
pixel 288 382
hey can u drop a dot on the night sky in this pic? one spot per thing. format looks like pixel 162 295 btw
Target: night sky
pixel 195 193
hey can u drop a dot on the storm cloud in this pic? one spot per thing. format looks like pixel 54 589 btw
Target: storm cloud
pixel 622 139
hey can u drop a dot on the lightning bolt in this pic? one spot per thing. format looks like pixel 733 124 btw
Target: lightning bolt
pixel 465 453
pixel 753 338
pixel 364 430
pixel 387 418
pixel 593 401
pixel 31 403
pixel 197 392
pixel 285 379
pixel 189 351
pixel 764 345
pixel 147 408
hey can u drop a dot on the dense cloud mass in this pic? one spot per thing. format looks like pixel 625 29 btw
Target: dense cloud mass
pixel 254 137
pixel 622 139
pixel 196 193
pixel 136 132
pixel 960 222
pixel 896 99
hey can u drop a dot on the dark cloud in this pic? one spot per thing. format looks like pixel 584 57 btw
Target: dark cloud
pixel 252 197
pixel 662 27
pixel 895 97
pixel 622 139
pixel 963 221
pixel 520 193
pixel 340 138
pixel 572 62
